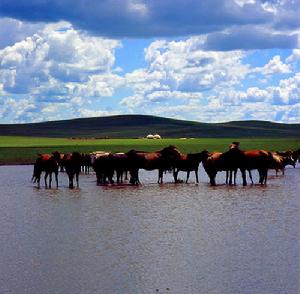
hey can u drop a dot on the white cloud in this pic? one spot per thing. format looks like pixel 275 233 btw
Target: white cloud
pixel 294 57
pixel 183 81
pixel 274 66
pixel 13 30
pixel 287 92
pixel 58 52
pixel 183 65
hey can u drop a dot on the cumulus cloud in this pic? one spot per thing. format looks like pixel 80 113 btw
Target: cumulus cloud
pixel 13 30
pixel 60 72
pixel 269 24
pixel 182 80
pixel 274 66
pixel 52 68
pixel 294 57
pixel 287 92
pixel 181 70
pixel 58 54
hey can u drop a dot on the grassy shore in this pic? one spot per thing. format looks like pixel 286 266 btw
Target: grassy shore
pixel 23 150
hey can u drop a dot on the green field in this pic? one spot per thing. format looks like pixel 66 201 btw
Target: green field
pixel 22 150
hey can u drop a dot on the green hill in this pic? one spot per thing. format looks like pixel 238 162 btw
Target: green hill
pixel 134 126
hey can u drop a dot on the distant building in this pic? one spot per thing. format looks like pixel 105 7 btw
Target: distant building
pixel 156 136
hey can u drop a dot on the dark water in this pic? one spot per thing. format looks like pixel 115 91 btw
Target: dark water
pixel 168 238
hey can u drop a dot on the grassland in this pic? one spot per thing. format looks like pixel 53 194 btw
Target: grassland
pixel 23 150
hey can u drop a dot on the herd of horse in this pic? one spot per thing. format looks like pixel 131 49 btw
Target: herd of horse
pixel 113 168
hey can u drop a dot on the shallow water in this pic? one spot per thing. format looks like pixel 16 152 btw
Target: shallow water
pixel 170 238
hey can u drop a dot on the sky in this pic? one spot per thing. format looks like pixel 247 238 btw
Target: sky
pixel 207 61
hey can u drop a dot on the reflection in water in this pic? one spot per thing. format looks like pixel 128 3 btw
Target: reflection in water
pixel 170 238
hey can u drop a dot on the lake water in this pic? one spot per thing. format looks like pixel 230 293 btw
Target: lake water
pixel 170 238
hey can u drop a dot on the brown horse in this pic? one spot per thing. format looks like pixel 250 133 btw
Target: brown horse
pixel 218 161
pixel 260 160
pixel 72 165
pixel 281 159
pixel 47 163
pixel 189 162
pixel 162 160
pixel 237 159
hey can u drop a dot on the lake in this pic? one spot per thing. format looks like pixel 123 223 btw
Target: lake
pixel 170 238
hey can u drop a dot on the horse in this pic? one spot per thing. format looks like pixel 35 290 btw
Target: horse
pixel 162 160
pixel 72 165
pixel 296 156
pixel 235 159
pixel 86 163
pixel 47 163
pixel 218 161
pixel 189 162
pixel 102 163
pixel 281 160
pixel 120 164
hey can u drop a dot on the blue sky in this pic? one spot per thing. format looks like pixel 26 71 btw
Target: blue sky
pixel 208 61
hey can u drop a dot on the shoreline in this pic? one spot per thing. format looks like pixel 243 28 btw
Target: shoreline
pixel 15 163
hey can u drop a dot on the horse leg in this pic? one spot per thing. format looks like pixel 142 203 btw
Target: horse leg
pixel 187 176
pixel 56 178
pixel 230 177
pixel 160 176
pixel 175 174
pixel 50 179
pixel 45 179
pixel 262 176
pixel 196 175
pixel 235 173
pixel 250 176
pixel 212 178
pixel 227 177
pixel 71 185
pixel 38 180
pixel 77 179
pixel 243 171
pixel 265 176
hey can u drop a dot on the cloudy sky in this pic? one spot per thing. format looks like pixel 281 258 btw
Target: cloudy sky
pixel 208 61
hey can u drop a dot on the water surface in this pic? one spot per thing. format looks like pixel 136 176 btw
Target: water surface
pixel 170 238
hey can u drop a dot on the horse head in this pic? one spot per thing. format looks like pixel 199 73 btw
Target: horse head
pixel 170 152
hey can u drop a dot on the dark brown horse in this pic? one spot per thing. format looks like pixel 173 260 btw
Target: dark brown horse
pixel 47 163
pixel 120 164
pixel 189 162
pixel 296 155
pixel 162 160
pixel 103 166
pixel 72 165
pixel 217 161
pixel 86 162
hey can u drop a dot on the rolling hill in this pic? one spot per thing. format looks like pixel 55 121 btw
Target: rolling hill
pixel 135 126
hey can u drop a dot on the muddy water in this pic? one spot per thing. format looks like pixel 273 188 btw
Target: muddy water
pixel 182 238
